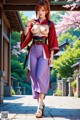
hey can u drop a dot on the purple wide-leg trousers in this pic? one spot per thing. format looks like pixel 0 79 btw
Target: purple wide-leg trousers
pixel 39 71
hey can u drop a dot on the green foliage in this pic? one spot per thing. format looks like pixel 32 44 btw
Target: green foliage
pixel 63 63
pixel 56 16
pixel 77 44
pixel 73 84
pixel 17 69
pixel 20 84
pixel 13 92
pixel 28 87
pixel 58 92
pixel 53 75
pixel 24 18
pixel 15 37
pixel 68 36
pixel 74 32
pixel 15 75
pixel 21 57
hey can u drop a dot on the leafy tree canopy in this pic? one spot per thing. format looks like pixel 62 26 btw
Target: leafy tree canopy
pixel 63 63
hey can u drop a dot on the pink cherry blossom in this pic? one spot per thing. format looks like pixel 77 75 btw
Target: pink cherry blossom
pixel 75 4
pixel 69 0
pixel 77 0
pixel 16 50
pixel 69 20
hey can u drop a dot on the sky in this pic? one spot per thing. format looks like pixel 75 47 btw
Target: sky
pixel 30 14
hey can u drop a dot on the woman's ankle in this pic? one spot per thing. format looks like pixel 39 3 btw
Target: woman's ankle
pixel 40 105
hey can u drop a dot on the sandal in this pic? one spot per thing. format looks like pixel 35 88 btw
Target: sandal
pixel 38 114
pixel 40 110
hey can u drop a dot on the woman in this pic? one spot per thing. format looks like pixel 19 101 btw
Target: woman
pixel 44 45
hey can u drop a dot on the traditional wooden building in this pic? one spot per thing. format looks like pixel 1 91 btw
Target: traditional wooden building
pixel 62 48
pixel 10 20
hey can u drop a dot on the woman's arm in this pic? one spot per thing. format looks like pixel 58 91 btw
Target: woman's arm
pixel 52 53
pixel 52 39
pixel 26 35
pixel 28 26
pixel 51 57
pixel 26 30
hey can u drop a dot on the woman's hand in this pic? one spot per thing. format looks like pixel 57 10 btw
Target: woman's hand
pixel 50 61
pixel 30 22
pixel 51 58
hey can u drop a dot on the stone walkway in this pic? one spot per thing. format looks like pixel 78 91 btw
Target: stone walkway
pixel 57 108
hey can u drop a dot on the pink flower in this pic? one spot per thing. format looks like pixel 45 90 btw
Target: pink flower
pixel 77 0
pixel 69 0
pixel 16 50
pixel 69 20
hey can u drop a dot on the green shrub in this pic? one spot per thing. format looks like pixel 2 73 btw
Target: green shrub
pixel 13 92
pixel 20 84
pixel 73 84
pixel 58 92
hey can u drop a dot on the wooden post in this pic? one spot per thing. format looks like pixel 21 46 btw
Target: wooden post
pixel 1 40
pixel 70 79
pixel 9 59
pixel 8 88
pixel 59 84
pixel 1 57
pixel 78 86
pixel 63 87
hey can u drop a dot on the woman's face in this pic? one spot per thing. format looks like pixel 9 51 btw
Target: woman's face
pixel 41 12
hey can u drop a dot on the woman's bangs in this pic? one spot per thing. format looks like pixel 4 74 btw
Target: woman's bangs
pixel 40 6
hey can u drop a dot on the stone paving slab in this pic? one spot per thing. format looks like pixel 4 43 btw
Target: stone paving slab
pixel 57 108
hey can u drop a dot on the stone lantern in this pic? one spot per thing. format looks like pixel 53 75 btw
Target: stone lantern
pixel 18 90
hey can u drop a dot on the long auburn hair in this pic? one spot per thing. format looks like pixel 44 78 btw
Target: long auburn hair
pixel 46 5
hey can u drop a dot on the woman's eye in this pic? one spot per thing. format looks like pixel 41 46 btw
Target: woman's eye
pixel 41 10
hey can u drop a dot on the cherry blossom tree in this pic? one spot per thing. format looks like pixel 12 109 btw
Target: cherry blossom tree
pixel 70 3
pixel 17 50
pixel 69 20
pixel 75 4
